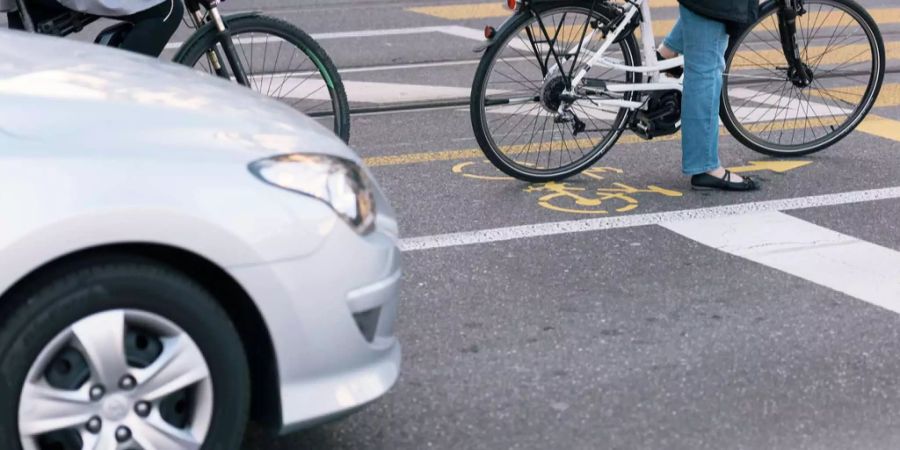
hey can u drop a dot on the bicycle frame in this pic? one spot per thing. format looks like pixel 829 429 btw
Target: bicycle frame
pixel 788 11
pixel 653 68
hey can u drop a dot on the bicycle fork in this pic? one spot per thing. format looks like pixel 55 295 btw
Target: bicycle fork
pixel 798 72
pixel 224 38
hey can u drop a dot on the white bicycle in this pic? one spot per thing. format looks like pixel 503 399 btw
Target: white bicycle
pixel 560 81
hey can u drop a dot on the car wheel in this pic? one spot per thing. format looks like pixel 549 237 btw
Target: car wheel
pixel 118 354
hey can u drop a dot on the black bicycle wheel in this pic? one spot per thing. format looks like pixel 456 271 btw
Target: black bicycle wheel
pixel 283 62
pixel 768 112
pixel 517 92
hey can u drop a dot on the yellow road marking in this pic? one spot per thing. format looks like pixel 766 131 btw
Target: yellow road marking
pixel 821 55
pixel 883 16
pixel 662 28
pixel 878 126
pixel 772 166
pixel 467 11
pixel 458 155
pixel 881 127
pixel 889 95
pixel 461 169
pixel 854 53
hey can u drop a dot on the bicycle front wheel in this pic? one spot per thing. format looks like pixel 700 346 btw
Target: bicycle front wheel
pixel 280 61
pixel 769 110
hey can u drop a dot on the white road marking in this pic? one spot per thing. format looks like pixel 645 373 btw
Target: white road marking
pixel 577 226
pixel 844 263
pixel 785 108
pixel 452 30
pixel 582 111
pixel 366 91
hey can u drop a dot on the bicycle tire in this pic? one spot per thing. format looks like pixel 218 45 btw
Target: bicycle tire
pixel 206 38
pixel 873 88
pixel 479 87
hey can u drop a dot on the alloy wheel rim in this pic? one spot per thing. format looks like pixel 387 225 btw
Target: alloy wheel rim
pixel 125 401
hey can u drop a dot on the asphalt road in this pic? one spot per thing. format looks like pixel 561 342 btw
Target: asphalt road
pixel 637 332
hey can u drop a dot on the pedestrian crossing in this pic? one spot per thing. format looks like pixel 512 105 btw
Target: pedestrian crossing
pixel 762 232
pixel 846 264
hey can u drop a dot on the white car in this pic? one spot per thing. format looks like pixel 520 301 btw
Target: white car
pixel 172 248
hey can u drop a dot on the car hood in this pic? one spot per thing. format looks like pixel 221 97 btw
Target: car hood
pixel 66 99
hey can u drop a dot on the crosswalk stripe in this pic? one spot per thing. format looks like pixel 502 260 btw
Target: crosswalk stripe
pixel 843 263
pixel 628 221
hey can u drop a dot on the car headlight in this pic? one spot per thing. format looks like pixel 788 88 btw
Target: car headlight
pixel 338 182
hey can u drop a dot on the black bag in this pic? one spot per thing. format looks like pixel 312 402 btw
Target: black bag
pixel 736 14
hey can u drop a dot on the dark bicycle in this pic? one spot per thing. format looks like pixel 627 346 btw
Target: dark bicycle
pixel 561 80
pixel 268 55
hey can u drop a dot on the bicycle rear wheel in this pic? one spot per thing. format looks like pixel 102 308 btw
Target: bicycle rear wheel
pixel 517 92
pixel 769 112
pixel 283 62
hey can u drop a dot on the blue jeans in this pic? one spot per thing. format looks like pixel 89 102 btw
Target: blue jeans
pixel 703 43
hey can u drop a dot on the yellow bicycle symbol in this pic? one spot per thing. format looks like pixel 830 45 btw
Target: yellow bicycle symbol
pixel 571 197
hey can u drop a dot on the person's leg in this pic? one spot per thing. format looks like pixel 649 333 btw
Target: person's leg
pixel 153 28
pixel 673 44
pixel 704 44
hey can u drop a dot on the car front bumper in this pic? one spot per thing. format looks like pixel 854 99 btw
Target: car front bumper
pixel 331 316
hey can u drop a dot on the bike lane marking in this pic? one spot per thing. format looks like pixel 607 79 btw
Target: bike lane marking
pixel 458 155
pixel 860 269
pixel 600 190
pixel 605 223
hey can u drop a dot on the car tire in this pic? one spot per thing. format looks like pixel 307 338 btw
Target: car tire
pixel 48 309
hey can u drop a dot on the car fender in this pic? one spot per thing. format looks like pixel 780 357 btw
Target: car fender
pixel 225 216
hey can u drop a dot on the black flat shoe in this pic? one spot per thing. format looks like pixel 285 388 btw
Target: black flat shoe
pixel 676 72
pixel 705 181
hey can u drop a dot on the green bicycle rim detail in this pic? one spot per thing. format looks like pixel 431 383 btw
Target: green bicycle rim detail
pixel 322 70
